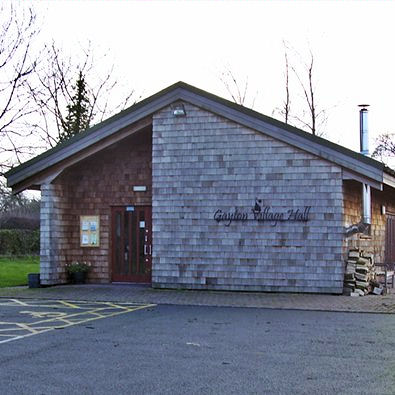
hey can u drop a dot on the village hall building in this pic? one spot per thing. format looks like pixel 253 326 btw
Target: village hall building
pixel 188 190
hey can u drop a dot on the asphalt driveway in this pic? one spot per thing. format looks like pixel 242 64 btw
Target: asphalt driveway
pixel 199 350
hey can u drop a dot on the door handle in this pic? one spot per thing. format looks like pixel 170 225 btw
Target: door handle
pixel 145 249
pixel 150 249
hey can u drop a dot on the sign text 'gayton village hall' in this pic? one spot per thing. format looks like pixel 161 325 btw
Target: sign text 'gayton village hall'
pixel 263 213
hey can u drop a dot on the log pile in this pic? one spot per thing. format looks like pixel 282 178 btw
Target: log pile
pixel 359 276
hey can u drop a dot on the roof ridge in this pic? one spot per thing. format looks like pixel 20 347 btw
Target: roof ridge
pixel 209 96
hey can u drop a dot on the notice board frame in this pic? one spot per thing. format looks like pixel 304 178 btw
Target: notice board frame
pixel 89 231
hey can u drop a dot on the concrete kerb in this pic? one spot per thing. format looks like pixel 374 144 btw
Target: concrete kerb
pixel 137 294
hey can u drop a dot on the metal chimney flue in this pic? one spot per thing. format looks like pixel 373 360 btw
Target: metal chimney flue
pixel 364 144
pixel 363 129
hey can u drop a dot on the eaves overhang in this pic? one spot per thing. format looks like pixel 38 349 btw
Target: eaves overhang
pixel 389 177
pixel 318 146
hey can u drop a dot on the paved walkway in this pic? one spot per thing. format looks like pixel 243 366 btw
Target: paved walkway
pixel 143 294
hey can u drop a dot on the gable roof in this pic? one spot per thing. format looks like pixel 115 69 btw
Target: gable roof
pixel 348 159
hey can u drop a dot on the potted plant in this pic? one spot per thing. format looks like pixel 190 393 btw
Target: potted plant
pixel 77 271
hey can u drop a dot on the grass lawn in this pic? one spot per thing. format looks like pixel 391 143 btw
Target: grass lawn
pixel 14 270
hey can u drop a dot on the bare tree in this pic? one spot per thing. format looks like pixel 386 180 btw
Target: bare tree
pixel 17 33
pixel 306 113
pixel 385 146
pixel 315 116
pixel 36 87
pixel 10 202
pixel 52 91
pixel 18 211
pixel 287 101
pixel 237 88
pixel 285 109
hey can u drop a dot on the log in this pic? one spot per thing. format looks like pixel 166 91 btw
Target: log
pixel 361 277
pixel 363 261
pixel 359 292
pixel 352 276
pixel 361 284
pixel 361 269
pixel 353 254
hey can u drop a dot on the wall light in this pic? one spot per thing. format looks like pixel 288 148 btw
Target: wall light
pixel 179 110
pixel 139 188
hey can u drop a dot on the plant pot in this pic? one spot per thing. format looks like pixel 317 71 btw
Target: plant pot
pixel 78 277
pixel 33 280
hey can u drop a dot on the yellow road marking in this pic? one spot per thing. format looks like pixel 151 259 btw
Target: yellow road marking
pixel 44 314
pixel 83 305
pixel 19 302
pixel 27 328
pixel 124 310
pixel 23 336
pixel 63 319
pixel 68 304
pixel 12 329
pixel 114 305
pixel 8 323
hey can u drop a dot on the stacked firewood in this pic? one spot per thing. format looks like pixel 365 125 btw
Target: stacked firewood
pixel 359 276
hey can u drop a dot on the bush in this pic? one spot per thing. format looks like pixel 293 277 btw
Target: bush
pixel 16 222
pixel 19 242
pixel 78 267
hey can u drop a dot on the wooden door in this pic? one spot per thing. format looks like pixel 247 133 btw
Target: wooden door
pixel 132 244
pixel 390 239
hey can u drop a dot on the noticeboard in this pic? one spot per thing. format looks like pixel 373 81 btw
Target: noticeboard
pixel 89 231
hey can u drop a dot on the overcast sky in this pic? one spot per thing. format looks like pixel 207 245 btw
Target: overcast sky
pixel 157 43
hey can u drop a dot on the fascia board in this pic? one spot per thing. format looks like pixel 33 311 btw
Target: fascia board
pixel 48 174
pixel 93 138
pixel 350 175
pixel 209 104
pixel 389 180
pixel 285 136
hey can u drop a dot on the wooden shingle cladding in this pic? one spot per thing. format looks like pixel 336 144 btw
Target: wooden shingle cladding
pixel 206 162
pixel 91 187
pixel 375 242
pixel 390 238
pixel 49 167
pixel 219 156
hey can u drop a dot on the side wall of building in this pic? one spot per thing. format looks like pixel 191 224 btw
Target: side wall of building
pixel 375 241
pixel 203 163
pixel 92 187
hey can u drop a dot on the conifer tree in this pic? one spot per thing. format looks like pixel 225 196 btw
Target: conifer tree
pixel 77 119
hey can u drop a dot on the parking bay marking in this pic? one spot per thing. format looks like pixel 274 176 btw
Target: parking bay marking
pixel 50 320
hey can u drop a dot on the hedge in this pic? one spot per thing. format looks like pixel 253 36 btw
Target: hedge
pixel 19 242
pixel 14 222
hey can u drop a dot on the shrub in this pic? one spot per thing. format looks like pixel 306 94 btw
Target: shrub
pixel 19 242
pixel 8 221
pixel 78 267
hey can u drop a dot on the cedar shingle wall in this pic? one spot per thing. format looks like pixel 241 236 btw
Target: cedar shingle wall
pixel 90 188
pixel 375 242
pixel 202 163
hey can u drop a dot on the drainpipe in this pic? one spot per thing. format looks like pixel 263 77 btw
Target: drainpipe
pixel 364 225
pixel 364 146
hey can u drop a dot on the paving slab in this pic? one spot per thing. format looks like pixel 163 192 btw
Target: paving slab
pixel 144 294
